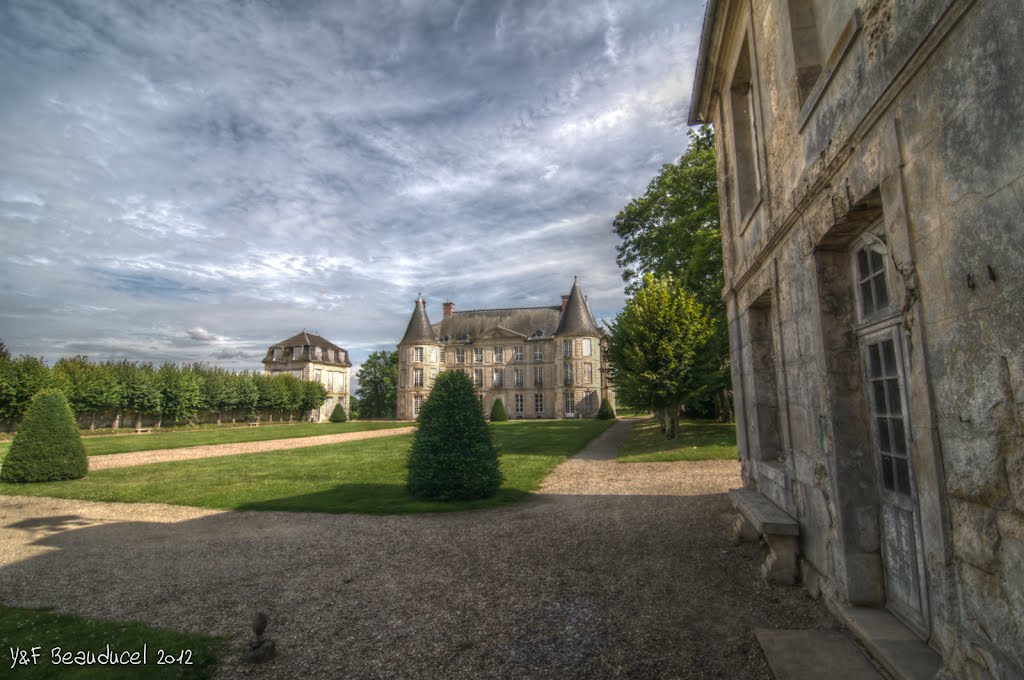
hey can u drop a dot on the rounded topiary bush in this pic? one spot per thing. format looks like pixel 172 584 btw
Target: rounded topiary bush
pixel 453 456
pixel 606 412
pixel 338 415
pixel 47 446
pixel 498 411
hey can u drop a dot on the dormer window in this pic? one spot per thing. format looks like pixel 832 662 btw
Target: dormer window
pixel 317 352
pixel 278 353
pixel 296 352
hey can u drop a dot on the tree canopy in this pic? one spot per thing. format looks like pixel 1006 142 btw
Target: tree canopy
pixel 378 379
pixel 654 346
pixel 674 229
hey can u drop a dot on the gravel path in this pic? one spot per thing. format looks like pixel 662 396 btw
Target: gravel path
pixel 611 571
pixel 214 450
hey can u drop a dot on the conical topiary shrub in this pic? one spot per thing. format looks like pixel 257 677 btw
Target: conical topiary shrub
pixel 338 415
pixel 453 456
pixel 606 412
pixel 498 411
pixel 47 446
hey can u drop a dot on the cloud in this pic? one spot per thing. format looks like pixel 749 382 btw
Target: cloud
pixel 229 354
pixel 200 334
pixel 318 164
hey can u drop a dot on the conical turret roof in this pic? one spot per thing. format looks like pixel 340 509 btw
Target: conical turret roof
pixel 419 331
pixel 576 318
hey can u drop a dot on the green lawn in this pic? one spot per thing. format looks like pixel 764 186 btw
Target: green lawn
pixel 625 412
pixel 101 446
pixel 697 440
pixel 27 628
pixel 361 476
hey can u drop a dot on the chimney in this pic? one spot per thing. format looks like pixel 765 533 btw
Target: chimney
pixel 565 299
pixel 449 309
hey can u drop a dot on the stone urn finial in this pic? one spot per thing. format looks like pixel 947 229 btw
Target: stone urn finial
pixel 259 649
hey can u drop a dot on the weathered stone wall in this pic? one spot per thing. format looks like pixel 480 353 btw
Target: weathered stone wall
pixel 916 121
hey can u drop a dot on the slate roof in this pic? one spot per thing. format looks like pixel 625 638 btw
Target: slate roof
pixel 577 319
pixel 477 324
pixel 307 340
pixel 419 330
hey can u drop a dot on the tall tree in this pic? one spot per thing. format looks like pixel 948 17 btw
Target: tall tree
pixel 378 379
pixel 248 394
pixel 673 229
pixel 653 348
pixel 20 380
pixel 181 393
pixel 140 391
pixel 88 387
pixel 314 394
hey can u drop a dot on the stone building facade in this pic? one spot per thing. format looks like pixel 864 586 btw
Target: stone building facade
pixel 543 362
pixel 310 357
pixel 870 163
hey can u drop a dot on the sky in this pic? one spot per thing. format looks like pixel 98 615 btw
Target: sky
pixel 197 181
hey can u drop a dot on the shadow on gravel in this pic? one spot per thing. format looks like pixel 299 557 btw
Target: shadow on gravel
pixel 374 499
pixel 569 586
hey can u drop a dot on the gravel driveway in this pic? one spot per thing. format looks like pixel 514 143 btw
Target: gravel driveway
pixel 611 571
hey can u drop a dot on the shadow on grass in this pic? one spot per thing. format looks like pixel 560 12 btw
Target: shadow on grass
pixel 374 499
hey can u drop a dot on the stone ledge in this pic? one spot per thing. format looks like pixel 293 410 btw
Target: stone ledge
pixel 766 517
pixel 901 653
pixel 759 517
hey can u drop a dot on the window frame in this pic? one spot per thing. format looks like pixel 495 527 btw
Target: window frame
pixel 872 241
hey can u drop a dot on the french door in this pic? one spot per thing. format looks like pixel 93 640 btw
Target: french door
pixel 885 383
